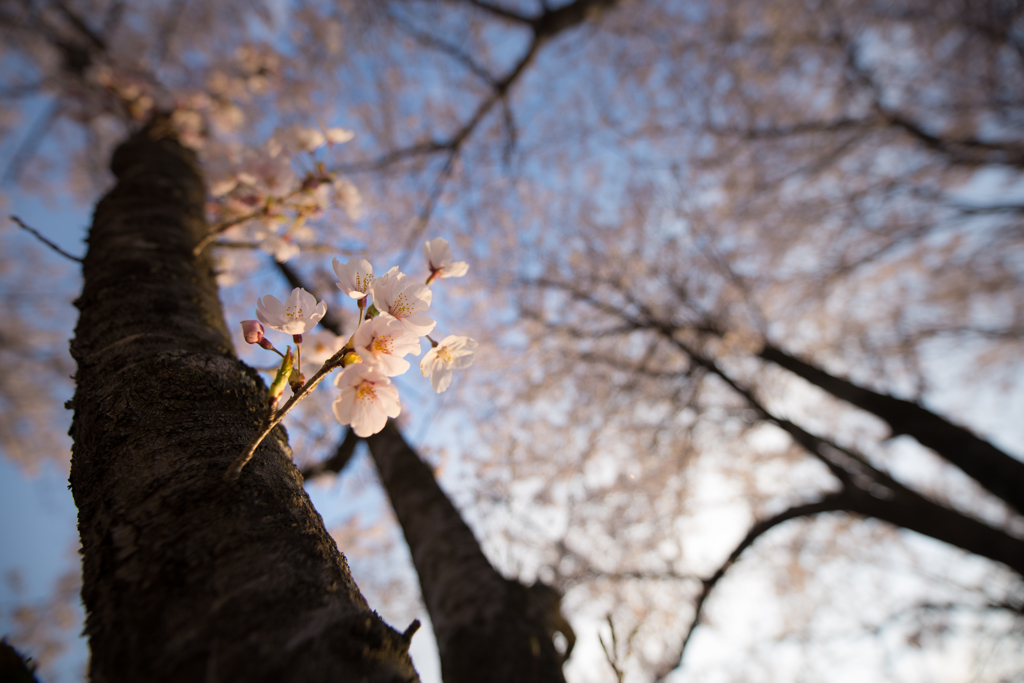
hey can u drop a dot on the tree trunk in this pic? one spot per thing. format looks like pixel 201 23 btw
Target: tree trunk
pixel 487 627
pixel 998 472
pixel 186 578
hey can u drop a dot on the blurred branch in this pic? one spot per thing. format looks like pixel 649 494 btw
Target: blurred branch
pixel 973 210
pixel 917 609
pixel 35 233
pixel 998 472
pixel 30 144
pixel 13 92
pixel 444 47
pixel 835 502
pixel 966 150
pixel 174 15
pixel 81 27
pixel 868 491
pixel 611 652
pixel 337 462
pixel 453 143
pixel 545 26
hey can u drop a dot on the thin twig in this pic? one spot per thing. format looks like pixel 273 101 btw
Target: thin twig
pixel 831 503
pixel 316 248
pixel 35 233
pixel 611 653
pixel 218 228
pixel 273 419
pixel 30 144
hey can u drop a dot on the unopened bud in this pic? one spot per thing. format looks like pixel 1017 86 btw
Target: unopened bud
pixel 252 330
pixel 296 380
pixel 283 373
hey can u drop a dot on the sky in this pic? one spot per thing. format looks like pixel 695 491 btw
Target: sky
pixel 38 535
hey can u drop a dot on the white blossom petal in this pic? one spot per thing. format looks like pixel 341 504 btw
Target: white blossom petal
pixel 337 136
pixel 392 293
pixel 440 362
pixel 384 341
pixel 300 138
pixel 354 277
pixel 438 254
pixel 297 315
pixel 367 399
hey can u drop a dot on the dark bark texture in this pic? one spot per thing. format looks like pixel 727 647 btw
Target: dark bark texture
pixel 997 471
pixel 186 578
pixel 488 628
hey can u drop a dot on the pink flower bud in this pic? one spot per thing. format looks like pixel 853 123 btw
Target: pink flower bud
pixel 252 330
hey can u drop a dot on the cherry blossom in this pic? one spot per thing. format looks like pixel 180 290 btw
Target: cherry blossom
pixel 392 293
pixel 337 136
pixel 297 315
pixel 346 196
pixel 439 258
pixel 268 172
pixel 300 138
pixel 280 247
pixel 453 353
pixel 367 399
pixel 383 341
pixel 354 277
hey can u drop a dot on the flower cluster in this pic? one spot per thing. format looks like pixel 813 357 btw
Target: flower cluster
pixel 258 197
pixel 392 319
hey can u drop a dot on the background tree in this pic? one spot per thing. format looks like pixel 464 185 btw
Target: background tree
pixel 657 198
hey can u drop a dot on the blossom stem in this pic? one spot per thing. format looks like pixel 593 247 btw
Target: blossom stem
pixel 273 418
pixel 297 338
pixel 265 344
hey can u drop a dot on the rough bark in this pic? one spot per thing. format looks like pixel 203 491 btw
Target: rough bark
pixel 186 578
pixel 998 472
pixel 487 627
pixel 14 666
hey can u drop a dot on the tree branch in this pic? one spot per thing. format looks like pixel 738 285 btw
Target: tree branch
pixel 998 472
pixel 872 492
pixel 337 462
pixel 832 503
pixel 27 149
pixel 35 233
